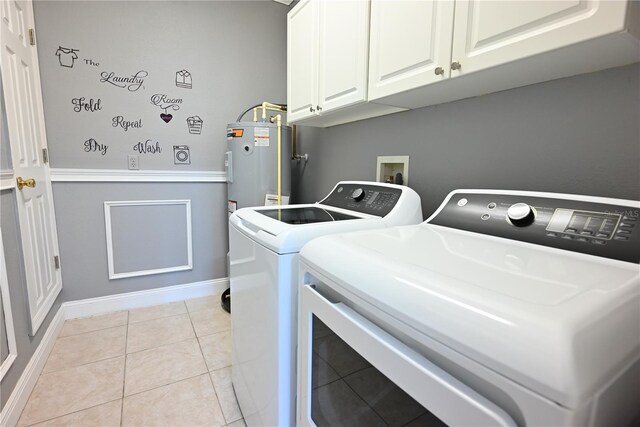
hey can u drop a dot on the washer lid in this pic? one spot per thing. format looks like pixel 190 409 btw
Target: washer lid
pixel 556 322
pixel 284 237
pixel 305 215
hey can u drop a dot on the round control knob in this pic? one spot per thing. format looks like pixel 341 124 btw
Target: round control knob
pixel 358 194
pixel 520 214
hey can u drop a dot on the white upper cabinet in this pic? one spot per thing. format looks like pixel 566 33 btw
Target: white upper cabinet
pixel 426 52
pixel 302 60
pixel 343 53
pixel 491 33
pixel 410 45
pixel 327 54
pixel 492 45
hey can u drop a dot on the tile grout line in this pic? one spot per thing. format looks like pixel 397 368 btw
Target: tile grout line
pixel 36 384
pixel 61 370
pixel 93 330
pixel 161 317
pixel 124 373
pixel 70 413
pixel 126 354
pixel 163 345
pixel 127 324
pixel 215 392
pixel 171 383
pixel 177 381
pixel 81 364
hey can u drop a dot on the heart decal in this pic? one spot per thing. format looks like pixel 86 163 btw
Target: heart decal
pixel 166 117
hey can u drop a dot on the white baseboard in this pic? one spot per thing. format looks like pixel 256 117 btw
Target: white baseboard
pixel 130 300
pixel 20 395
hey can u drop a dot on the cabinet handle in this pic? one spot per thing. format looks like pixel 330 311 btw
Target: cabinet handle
pixel 439 71
pixel 319 108
pixel 456 65
pixel 311 109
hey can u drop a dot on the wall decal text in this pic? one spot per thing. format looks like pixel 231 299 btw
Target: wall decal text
pixel 126 124
pixel 132 84
pixel 92 146
pixel 147 147
pixel 81 104
pixel 164 102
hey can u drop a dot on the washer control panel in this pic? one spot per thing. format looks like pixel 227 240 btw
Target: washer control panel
pixel 610 231
pixel 366 198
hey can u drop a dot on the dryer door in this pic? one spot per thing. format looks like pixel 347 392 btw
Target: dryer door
pixel 351 372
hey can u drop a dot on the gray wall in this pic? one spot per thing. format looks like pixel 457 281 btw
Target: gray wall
pixel 575 135
pixel 26 345
pixel 236 54
pixel 234 50
pixel 82 236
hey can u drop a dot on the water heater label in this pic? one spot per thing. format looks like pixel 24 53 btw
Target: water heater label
pixel 272 200
pixel 261 137
pixel 234 133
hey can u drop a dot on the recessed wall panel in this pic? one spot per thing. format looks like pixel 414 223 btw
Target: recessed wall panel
pixel 148 237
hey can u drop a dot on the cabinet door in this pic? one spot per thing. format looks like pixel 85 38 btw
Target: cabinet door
pixel 302 63
pixel 409 41
pixel 343 53
pixel 491 33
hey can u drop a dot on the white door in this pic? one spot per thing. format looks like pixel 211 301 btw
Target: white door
pixel 410 45
pixel 302 60
pixel 25 119
pixel 491 33
pixel 343 53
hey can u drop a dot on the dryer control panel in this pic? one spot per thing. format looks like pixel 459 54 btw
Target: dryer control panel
pixel 367 198
pixel 591 227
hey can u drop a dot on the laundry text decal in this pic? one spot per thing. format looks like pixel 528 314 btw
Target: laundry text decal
pixel 131 83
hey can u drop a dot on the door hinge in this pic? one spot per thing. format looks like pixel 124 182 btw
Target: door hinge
pixel 45 155
pixel 56 261
pixel 32 37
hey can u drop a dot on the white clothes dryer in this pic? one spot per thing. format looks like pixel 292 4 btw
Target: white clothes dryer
pixel 264 243
pixel 503 308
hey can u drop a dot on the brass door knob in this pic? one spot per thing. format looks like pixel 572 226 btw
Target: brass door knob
pixel 25 183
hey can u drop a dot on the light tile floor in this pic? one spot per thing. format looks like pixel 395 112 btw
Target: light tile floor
pixel 166 365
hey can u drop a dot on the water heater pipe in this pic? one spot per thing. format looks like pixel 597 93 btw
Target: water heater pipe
pixel 274 107
pixel 278 120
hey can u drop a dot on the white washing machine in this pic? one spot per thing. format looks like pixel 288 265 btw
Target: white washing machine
pixel 503 308
pixel 263 248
